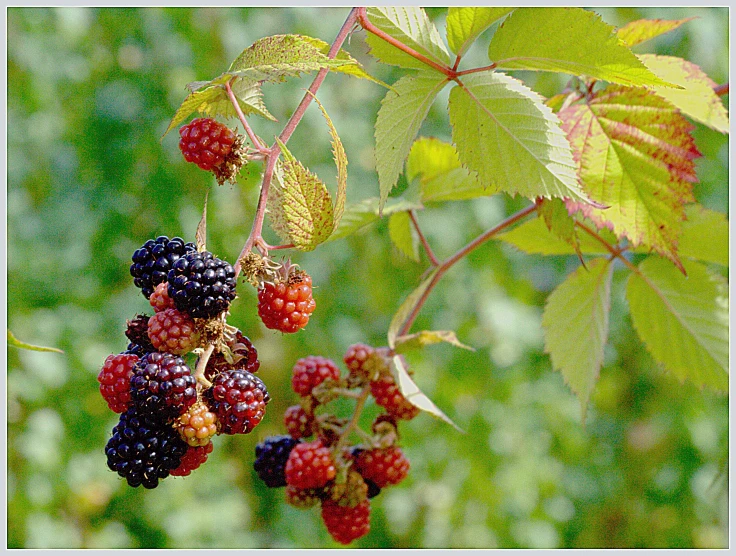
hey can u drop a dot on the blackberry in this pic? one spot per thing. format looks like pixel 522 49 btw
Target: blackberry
pixel 287 303
pixel 242 353
pixel 143 450
pixel 114 379
pixel 162 384
pixel 239 400
pixel 299 424
pixel 387 466
pixel 387 395
pixel 201 284
pixel 136 349
pixel 373 489
pixel 152 262
pixel 172 331
pixel 206 142
pixel 192 459
pixel 197 425
pixel 309 372
pixel 346 524
pixel 137 332
pixel 271 456
pixel 160 300
pixel 310 465
pixel 303 498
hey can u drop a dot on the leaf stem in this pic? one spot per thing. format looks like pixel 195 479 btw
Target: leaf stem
pixel 615 251
pixel 423 239
pixel 476 70
pixel 260 147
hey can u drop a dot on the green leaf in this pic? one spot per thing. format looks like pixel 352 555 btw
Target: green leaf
pixel 299 204
pixel 683 321
pixel 567 40
pixel 359 215
pixel 575 323
pixel 535 238
pixel 559 222
pixel 464 25
pixel 505 133
pixel 406 308
pixel 641 30
pixel 636 155
pixel 696 98
pixel 401 114
pixel 441 176
pixel 403 235
pixel 15 342
pixel 411 26
pixel 414 395
pixel 354 68
pixel 418 340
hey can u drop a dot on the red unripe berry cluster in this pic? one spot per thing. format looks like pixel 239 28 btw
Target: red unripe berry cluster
pixel 286 305
pixel 206 142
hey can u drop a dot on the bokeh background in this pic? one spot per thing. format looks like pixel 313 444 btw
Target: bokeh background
pixel 90 93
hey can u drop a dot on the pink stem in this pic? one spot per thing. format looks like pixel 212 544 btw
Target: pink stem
pixel 253 138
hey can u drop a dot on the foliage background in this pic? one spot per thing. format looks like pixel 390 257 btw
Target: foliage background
pixel 90 92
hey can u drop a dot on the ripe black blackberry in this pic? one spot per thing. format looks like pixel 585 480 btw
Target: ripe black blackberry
pixel 152 262
pixel 271 456
pixel 162 385
pixel 143 449
pixel 201 284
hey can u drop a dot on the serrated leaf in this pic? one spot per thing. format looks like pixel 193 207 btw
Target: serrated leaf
pixel 567 40
pixel 364 213
pixel 696 98
pixel 354 68
pixel 534 237
pixel 300 207
pixel 401 114
pixel 200 236
pixel 418 340
pixel 559 222
pixel 505 133
pixel 683 321
pixel 403 235
pixel 15 342
pixel 575 323
pixel 464 25
pixel 411 26
pixel 635 154
pixel 441 176
pixel 414 395
pixel 406 308
pixel 642 30
pixel 194 102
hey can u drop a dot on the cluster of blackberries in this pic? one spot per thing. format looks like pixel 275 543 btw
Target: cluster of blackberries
pixel 315 462
pixel 169 415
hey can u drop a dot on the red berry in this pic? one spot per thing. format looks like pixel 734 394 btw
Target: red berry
pixel 197 425
pixel 115 380
pixel 160 300
pixel 312 371
pixel 309 465
pixel 388 396
pixel 287 305
pixel 298 423
pixel 192 459
pixel 346 524
pixel 363 364
pixel 387 466
pixel 239 399
pixel 172 331
pixel 205 142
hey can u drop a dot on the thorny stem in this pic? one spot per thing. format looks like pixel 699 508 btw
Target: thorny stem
pixel 476 70
pixel 353 423
pixel 425 244
pixel 202 365
pixel 253 137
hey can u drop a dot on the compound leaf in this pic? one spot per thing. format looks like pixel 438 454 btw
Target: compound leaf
pixel 418 340
pixel 401 114
pixel 635 154
pixel 411 26
pixel 15 342
pixel 364 213
pixel 696 98
pixel 567 40
pixel 683 321
pixel 642 30
pixel 403 235
pixel 464 25
pixel 575 323
pixel 505 134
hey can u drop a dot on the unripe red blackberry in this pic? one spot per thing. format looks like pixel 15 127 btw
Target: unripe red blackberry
pixel 350 492
pixel 346 524
pixel 386 466
pixel 115 378
pixel 298 423
pixel 192 459
pixel 271 457
pixel 239 399
pixel 287 303
pixel 201 285
pixel 242 353
pixel 143 449
pixel 137 332
pixel 172 331
pixel 205 142
pixel 152 262
pixel 302 498
pixel 160 300
pixel 197 425
pixel 387 395
pixel 163 385
pixel 312 371
pixel 361 364
pixel 310 465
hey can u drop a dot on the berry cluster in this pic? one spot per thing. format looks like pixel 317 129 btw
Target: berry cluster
pixel 168 414
pixel 213 147
pixel 315 461
pixel 285 302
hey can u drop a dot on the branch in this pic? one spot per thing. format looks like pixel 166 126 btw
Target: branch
pixel 253 137
pixel 354 419
pixel 425 244
pixel 721 90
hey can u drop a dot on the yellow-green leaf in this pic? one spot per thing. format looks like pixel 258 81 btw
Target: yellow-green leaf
pixel 359 215
pixel 15 342
pixel 418 340
pixel 641 30
pixel 406 308
pixel 464 25
pixel 403 235
pixel 535 238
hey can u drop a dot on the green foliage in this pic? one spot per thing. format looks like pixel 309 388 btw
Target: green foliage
pixel 464 25
pixel 534 237
pixel 418 340
pixel 16 343
pixel 642 30
pixel 403 235
pixel 359 215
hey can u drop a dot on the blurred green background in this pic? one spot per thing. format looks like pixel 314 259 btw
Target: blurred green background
pixel 90 93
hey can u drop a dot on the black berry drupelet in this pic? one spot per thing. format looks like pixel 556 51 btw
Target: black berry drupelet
pixel 162 385
pixel 271 456
pixel 143 449
pixel 153 261
pixel 201 284
pixel 239 400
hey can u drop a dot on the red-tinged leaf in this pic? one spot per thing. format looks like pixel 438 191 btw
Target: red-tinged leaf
pixel 641 30
pixel 635 154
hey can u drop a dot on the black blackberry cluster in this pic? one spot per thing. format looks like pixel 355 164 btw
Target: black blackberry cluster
pixel 201 284
pixel 143 449
pixel 271 456
pixel 162 384
pixel 153 261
